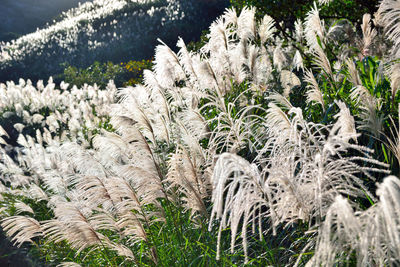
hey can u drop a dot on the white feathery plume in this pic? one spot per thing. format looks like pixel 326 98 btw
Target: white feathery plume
pixel 231 173
pixel 195 123
pixel 353 72
pixel 71 224
pixel 21 229
pixel 369 34
pixel 230 17
pixel 102 220
pixel 232 132
pixel 68 264
pixel 82 160
pixel 95 191
pixel 389 13
pixel 281 100
pixel 139 103
pixel 324 2
pixel 277 120
pixel 297 62
pixel 299 30
pixel 167 66
pixel 219 38
pixel 184 174
pixel 314 94
pixel 37 118
pixel 2 141
pixel 122 251
pixel 191 128
pixel 322 61
pixel 371 121
pixel 279 58
pixel 302 170
pixel 125 156
pixel 132 218
pixel 314 28
pixel 38 193
pixel 185 57
pixel 315 36
pixel 372 236
pixel 253 57
pixel 21 207
pixel 266 29
pixel 246 24
pixel 394 76
pixel 3 132
pixel 237 58
pixel 19 127
pixel 393 142
pixel 340 228
pixel 344 128
pixel 113 150
pixel 388 210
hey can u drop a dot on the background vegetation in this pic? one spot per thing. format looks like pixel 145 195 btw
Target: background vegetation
pixel 116 31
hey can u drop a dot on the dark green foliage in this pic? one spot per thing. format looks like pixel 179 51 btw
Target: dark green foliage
pixel 97 73
pixel 18 257
pixel 196 45
pixel 122 74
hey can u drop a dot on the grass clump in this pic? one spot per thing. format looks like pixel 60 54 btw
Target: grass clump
pixel 247 151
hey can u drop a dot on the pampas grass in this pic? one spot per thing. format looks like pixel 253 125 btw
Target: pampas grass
pixel 371 234
pixel 224 138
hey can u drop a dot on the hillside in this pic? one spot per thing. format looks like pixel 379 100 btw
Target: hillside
pixel 116 30
pixel 17 21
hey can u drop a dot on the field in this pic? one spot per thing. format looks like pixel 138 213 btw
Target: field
pixel 259 145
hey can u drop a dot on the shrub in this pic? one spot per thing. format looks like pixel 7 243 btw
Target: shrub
pixel 97 73
pixel 129 73
pixel 135 70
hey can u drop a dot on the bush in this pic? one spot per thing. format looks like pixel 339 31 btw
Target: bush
pixel 97 73
pixel 135 70
pixel 124 74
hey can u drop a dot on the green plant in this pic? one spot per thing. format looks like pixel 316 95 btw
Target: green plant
pixel 135 71
pixel 98 73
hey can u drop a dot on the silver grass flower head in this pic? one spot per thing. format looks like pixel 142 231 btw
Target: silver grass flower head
pixel 313 28
pixel 388 14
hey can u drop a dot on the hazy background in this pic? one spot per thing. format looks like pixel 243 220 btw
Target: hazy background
pixel 19 17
